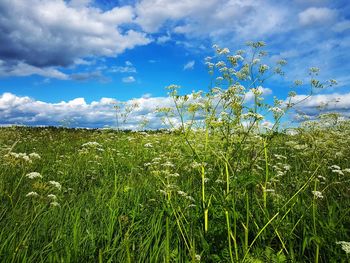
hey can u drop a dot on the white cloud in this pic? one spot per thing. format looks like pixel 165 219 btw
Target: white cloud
pixel 189 65
pixel 321 103
pixel 317 15
pixel 216 15
pixel 27 111
pixel 342 26
pixel 163 39
pixel 128 79
pixel 22 69
pixel 128 68
pixel 57 33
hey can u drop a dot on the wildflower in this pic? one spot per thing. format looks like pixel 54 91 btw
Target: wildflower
pixel 91 144
pixel 276 110
pixel 338 172
pixel 223 51
pixel 334 167
pixel 32 194
pixel 263 68
pixel 168 164
pixel 188 197
pixel 34 156
pixel 219 181
pixel 54 203
pixel 197 257
pixel 56 184
pixel 321 177
pixel 52 196
pixel 286 167
pixel 34 175
pixel 347 170
pixel 182 193
pixel 317 194
pixel 148 145
pixel 345 246
pixel 220 64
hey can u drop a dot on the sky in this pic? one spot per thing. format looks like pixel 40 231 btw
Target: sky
pixel 68 62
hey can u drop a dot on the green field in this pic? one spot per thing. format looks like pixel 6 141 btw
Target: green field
pixel 108 196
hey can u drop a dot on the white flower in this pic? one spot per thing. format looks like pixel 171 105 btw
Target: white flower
pixel 26 158
pixel 54 203
pixel 223 51
pixel 335 167
pixel 148 145
pixel 30 194
pixel 345 246
pixel 198 257
pixel 168 164
pixel 317 194
pixel 182 193
pixel 338 172
pixel 34 175
pixel 52 196
pixel 34 156
pixel 220 64
pixel 276 110
pixel 91 144
pixel 188 197
pixel 56 184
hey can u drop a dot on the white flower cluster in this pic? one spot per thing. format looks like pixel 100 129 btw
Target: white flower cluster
pixel 23 156
pixel 345 246
pixel 56 184
pixel 34 175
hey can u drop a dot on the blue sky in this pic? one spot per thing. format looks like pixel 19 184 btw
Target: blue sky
pixel 71 60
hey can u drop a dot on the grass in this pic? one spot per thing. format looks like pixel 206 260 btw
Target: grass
pixel 123 202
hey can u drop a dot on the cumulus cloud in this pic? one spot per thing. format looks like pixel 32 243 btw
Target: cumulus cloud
pixel 128 79
pixel 189 65
pixel 51 33
pixel 216 15
pixel 25 110
pixel 28 111
pixel 322 103
pixel 317 15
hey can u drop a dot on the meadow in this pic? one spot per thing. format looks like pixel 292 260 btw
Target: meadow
pixel 220 185
pixel 140 197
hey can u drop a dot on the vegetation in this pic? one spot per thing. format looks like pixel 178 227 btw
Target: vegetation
pixel 223 185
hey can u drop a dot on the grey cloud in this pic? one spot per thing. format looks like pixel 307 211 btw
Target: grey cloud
pixel 54 33
pixel 87 76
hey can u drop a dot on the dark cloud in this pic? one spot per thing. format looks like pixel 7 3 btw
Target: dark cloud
pixel 53 33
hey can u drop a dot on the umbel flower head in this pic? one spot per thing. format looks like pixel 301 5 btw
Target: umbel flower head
pixel 345 246
pixel 34 175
